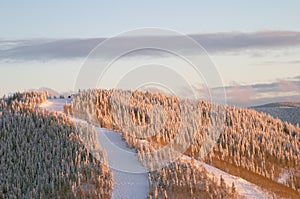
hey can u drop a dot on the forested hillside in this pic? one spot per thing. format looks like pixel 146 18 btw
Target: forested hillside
pixel 285 111
pixel 256 142
pixel 45 155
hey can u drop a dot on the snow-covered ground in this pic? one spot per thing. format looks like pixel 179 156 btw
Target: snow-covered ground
pixel 283 177
pixel 243 187
pixel 130 177
pixel 54 104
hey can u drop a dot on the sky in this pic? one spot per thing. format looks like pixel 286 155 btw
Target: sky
pixel 254 45
pixel 85 19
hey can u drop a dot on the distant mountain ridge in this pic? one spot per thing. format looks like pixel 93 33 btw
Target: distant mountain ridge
pixel 286 111
pixel 50 91
pixel 279 105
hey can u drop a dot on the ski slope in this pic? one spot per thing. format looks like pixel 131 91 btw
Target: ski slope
pixel 243 187
pixel 130 177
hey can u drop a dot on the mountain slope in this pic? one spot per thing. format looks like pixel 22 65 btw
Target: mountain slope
pixel 258 143
pixel 45 155
pixel 285 111
pixel 129 176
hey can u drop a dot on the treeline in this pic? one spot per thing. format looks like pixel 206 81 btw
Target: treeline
pixel 28 98
pixel 289 114
pixel 247 139
pixel 171 176
pixel 261 144
pixel 182 179
pixel 168 177
pixel 45 155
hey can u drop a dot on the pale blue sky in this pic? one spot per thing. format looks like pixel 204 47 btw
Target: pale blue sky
pixel 68 19
pixel 251 42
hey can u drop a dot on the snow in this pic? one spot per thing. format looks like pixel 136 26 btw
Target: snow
pixel 130 177
pixel 243 187
pixel 54 104
pixel 283 177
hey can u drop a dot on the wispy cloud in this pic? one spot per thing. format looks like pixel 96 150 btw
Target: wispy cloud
pixel 232 42
pixel 248 95
pixel 291 62
pixel 46 49
pixel 240 94
pixel 241 41
pixel 244 95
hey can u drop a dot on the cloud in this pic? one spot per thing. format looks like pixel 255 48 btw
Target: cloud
pixel 232 42
pixel 240 41
pixel 241 94
pixel 256 94
pixel 291 62
pixel 47 49
pixel 287 86
pixel 294 62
